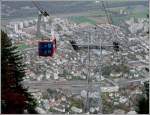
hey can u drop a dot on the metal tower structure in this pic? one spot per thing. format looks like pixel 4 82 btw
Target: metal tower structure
pixel 41 13
pixel 100 47
pixel 90 46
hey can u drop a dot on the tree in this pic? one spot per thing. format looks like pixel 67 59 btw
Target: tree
pixel 143 103
pixel 15 98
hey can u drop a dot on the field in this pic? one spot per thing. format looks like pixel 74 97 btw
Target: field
pixel 22 46
pixel 98 17
pixel 82 19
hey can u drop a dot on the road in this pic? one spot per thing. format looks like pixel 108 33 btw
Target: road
pixel 121 82
pixel 74 86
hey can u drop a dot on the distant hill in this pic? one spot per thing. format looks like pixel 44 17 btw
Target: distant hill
pixel 22 9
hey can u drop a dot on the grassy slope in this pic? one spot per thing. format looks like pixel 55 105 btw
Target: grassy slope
pixel 22 46
pixel 82 19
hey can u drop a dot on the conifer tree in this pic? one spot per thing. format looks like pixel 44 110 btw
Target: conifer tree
pixel 143 102
pixel 14 97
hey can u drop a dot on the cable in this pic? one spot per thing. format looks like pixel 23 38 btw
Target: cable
pixel 35 4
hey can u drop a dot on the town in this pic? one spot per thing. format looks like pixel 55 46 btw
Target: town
pixel 88 74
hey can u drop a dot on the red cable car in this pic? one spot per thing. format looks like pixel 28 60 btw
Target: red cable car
pixel 47 48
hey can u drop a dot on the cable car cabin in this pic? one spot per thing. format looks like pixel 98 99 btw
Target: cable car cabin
pixel 147 69
pixel 46 48
pixel 73 43
pixel 116 46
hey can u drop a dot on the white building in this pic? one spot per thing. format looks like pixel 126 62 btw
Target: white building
pixel 94 95
pixel 83 93
pixel 76 110
pixel 46 104
pixel 56 76
pixel 59 109
pixel 131 113
pixel 40 110
pixel 116 74
pixel 20 25
pixel 25 23
pixel 123 99
pixel 31 21
pixel 110 89
pixel 119 111
pixel 16 28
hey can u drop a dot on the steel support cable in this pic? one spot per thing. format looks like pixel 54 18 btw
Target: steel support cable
pixel 107 15
pixel 88 78
pixel 114 32
pixel 128 48
pixel 131 51
pixel 100 72
pixel 35 4
pixel 109 18
pixel 109 12
pixel 146 44
pixel 103 31
pixel 139 38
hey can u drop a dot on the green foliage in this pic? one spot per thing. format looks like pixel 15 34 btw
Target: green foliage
pixel 77 103
pixel 22 46
pixel 82 19
pixel 107 106
pixel 143 103
pixel 52 110
pixel 107 69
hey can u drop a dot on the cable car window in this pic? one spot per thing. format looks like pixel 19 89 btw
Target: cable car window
pixel 45 48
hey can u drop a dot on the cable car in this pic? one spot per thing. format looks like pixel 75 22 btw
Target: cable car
pixel 116 46
pixel 73 43
pixel 47 48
